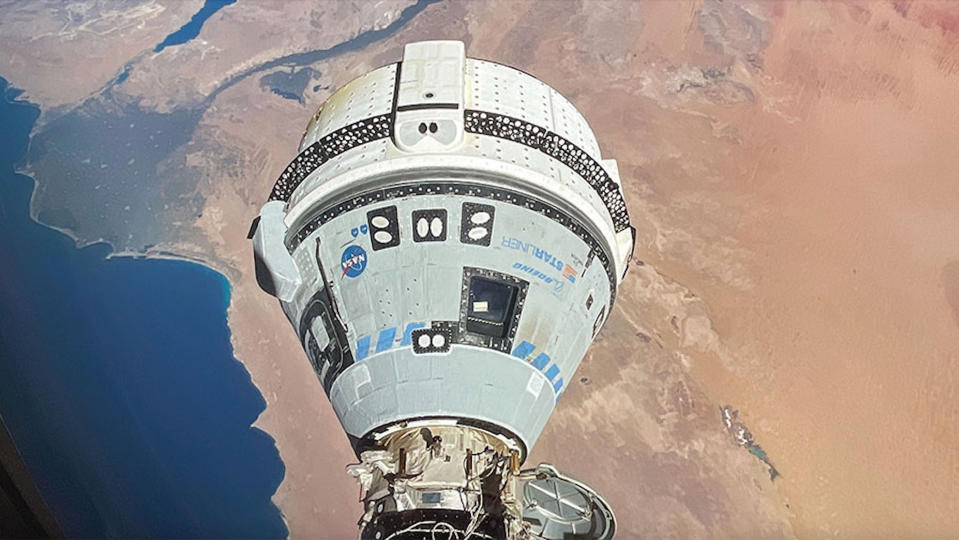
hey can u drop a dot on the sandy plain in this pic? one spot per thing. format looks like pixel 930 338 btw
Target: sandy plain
pixel 791 171
pixel 64 51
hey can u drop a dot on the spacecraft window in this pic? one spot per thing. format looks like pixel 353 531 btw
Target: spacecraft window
pixel 490 306
pixel 476 226
pixel 384 228
pixel 429 225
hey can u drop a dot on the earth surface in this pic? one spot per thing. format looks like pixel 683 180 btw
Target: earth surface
pixel 791 170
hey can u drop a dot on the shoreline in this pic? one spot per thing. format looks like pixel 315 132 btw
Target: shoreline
pixel 163 255
pixel 151 254
pixel 228 289
pixel 222 271
pixel 268 420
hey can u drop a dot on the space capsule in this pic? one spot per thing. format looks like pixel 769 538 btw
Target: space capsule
pixel 446 245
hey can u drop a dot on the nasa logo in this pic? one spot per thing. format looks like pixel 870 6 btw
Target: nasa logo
pixel 353 261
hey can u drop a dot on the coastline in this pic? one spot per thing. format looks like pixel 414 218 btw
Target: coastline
pixel 161 253
pixel 300 495
pixel 223 271
pixel 23 184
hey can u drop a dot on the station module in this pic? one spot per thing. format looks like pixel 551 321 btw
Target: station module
pixel 447 244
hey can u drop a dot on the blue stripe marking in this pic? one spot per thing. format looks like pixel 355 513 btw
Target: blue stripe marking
pixel 541 361
pixel 552 372
pixel 385 341
pixel 557 385
pixel 408 333
pixel 362 348
pixel 523 350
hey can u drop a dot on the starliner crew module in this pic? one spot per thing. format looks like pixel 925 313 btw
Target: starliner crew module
pixel 446 245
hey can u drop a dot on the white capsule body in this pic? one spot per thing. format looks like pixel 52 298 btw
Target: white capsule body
pixel 447 245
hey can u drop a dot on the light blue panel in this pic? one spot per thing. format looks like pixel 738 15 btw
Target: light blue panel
pixel 541 361
pixel 383 377
pixel 408 333
pixel 523 350
pixel 557 385
pixel 362 348
pixel 476 383
pixel 414 371
pixel 552 372
pixel 385 340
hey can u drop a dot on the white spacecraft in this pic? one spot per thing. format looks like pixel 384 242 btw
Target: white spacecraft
pixel 447 244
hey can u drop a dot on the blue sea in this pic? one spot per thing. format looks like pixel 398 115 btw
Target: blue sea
pixel 118 382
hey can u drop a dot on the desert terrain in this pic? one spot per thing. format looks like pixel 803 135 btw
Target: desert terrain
pixel 791 172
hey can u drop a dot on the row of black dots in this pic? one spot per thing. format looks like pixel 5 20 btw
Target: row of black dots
pixel 331 145
pixel 301 166
pixel 355 134
pixel 594 174
pixel 561 149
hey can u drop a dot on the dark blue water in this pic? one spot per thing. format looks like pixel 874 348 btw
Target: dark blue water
pixel 118 383
pixel 191 29
pixel 124 75
pixel 289 83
